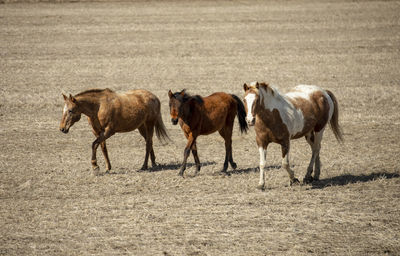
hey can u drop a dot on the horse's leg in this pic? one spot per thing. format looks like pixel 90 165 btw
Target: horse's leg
pixel 223 133
pixel 317 143
pixel 149 143
pixel 105 153
pixel 196 157
pixel 186 152
pixel 285 146
pixel 143 132
pixel 311 141
pixel 263 161
pixel 102 137
pixel 96 133
pixel 228 134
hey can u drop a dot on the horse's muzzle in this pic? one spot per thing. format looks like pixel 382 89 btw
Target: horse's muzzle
pixel 174 121
pixel 64 130
pixel 251 122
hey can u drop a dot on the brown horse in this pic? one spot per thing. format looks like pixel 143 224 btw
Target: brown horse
pixel 203 116
pixel 303 112
pixel 109 112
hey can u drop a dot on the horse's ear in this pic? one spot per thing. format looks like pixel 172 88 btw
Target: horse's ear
pixel 182 93
pixel 65 97
pixel 257 85
pixel 72 99
pixel 170 94
pixel 245 87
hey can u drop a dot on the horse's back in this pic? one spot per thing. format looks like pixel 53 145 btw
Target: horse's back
pixel 219 109
pixel 139 99
pixel 133 108
pixel 218 100
pixel 315 105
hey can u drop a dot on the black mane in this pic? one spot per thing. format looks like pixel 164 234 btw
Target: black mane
pixel 186 97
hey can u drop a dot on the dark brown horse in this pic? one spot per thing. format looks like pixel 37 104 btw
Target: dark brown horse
pixel 109 112
pixel 203 116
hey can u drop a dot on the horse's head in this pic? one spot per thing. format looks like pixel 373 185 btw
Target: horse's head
pixel 71 113
pixel 251 101
pixel 176 101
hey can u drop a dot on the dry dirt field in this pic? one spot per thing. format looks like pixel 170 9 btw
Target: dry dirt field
pixel 52 204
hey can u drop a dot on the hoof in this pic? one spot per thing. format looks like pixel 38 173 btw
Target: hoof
pixel 261 187
pixel 308 180
pixel 234 165
pixel 181 174
pixel 96 170
pixel 224 173
pixel 294 182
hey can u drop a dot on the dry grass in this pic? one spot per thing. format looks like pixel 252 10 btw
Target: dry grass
pixel 51 204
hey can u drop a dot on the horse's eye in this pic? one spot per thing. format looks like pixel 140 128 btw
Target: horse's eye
pixel 70 111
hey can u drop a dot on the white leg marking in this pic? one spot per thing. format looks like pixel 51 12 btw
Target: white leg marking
pixel 263 160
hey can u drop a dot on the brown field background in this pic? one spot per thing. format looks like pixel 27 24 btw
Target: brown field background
pixel 52 204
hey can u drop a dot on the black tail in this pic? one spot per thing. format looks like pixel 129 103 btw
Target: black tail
pixel 241 114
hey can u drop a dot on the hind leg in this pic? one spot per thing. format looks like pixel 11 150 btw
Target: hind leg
pixel 310 139
pixel 149 144
pixel 228 148
pixel 226 133
pixel 143 132
pixel 318 139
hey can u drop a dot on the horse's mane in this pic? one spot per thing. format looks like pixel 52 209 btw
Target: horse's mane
pixel 186 97
pixel 93 91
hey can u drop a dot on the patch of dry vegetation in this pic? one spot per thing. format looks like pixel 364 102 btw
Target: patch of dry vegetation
pixel 51 204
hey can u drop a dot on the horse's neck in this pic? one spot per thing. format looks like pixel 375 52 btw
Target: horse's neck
pixel 269 101
pixel 280 102
pixel 89 104
pixel 188 112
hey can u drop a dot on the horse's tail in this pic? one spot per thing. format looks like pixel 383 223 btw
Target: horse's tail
pixel 337 130
pixel 161 131
pixel 241 114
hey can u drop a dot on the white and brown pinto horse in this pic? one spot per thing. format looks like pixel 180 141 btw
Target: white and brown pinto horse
pixel 303 112
pixel 109 112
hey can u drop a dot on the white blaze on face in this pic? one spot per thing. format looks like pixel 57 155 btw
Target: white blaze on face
pixel 65 109
pixel 250 98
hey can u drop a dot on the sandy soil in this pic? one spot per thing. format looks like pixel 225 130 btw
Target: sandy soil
pixel 52 204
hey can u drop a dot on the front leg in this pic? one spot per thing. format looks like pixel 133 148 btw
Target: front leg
pixel 105 153
pixel 186 152
pixel 285 162
pixel 263 161
pixel 196 157
pixel 102 137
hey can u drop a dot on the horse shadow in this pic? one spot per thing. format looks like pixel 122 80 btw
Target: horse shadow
pixel 347 179
pixel 174 166
pixel 253 169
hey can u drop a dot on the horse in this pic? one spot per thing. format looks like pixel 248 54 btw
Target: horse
pixel 303 112
pixel 202 116
pixel 109 112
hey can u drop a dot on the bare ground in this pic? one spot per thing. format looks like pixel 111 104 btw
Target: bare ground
pixel 51 204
